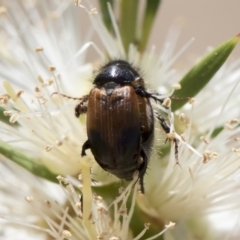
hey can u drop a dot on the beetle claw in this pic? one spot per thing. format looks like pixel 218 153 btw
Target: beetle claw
pixel 82 106
pixel 85 146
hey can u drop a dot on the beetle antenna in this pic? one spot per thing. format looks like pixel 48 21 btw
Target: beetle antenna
pixel 66 96
pixel 180 98
pixel 175 141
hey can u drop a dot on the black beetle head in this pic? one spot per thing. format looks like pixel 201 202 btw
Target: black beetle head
pixel 118 71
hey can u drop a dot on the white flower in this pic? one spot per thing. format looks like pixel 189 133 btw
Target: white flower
pixel 32 61
pixel 202 193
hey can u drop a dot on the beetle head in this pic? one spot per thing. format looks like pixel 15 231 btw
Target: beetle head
pixel 118 71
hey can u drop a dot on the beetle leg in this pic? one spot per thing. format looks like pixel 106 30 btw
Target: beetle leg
pixel 82 106
pixel 85 146
pixel 144 93
pixel 163 124
pixel 166 129
pixel 142 169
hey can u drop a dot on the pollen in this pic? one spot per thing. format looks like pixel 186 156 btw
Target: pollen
pixel 62 179
pixel 147 225
pixel 235 150
pixel 48 148
pixel 176 86
pixel 171 136
pixel 29 198
pixel 167 102
pixel 77 2
pixel 228 126
pixel 78 206
pixel 203 138
pixel 19 93
pixel 50 81
pixel 183 137
pixel 14 117
pixel 39 49
pixel 100 199
pixel 234 121
pixel 208 155
pixel 40 79
pixel 170 225
pixel 191 100
pixel 114 238
pixel 66 234
pixel 182 118
pixel 8 113
pixel 37 89
pixel 4 98
pixel 48 203
pixel 93 11
pixel 59 143
pixel 59 178
pixel 52 68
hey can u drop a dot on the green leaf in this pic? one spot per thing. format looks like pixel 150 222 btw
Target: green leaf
pixel 105 13
pixel 216 131
pixel 27 162
pixel 132 31
pixel 149 17
pixel 203 72
pixel 128 21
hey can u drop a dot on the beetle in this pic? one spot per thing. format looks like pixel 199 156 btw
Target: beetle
pixel 120 120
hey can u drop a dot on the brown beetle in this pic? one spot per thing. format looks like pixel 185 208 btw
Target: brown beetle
pixel 120 120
